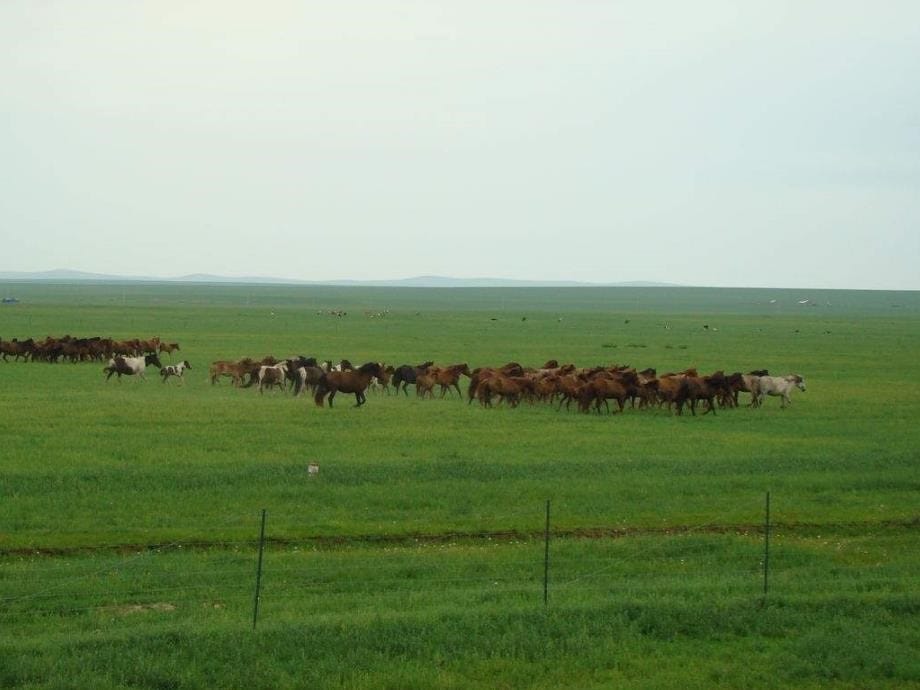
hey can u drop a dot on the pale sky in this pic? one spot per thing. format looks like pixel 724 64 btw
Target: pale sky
pixel 735 143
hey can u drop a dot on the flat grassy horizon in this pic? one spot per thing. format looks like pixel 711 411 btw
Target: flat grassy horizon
pixel 99 477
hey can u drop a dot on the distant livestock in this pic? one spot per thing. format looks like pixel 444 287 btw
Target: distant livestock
pixel 512 384
pixel 271 376
pixel 131 366
pixel 347 382
pixel 177 370
pixel 406 374
pixel 169 348
pixel 780 386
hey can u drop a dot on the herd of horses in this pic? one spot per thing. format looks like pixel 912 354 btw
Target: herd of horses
pixel 590 388
pixel 70 349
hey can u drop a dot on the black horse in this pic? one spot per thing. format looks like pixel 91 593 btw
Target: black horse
pixel 406 374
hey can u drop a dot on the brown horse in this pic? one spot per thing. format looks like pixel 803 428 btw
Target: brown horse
pixel 510 389
pixel 347 382
pixel 424 384
pixel 694 388
pixel 168 348
pixel 447 377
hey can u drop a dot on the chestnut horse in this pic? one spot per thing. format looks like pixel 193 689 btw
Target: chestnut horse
pixel 447 377
pixel 355 381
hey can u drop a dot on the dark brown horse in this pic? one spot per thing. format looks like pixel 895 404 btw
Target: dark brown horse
pixel 347 382
pixel 694 388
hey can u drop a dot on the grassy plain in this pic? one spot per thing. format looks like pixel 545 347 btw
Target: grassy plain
pixel 415 558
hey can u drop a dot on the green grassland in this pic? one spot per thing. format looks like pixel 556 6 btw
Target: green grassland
pixel 129 512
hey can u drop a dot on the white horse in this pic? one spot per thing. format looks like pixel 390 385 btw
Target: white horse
pixel 177 370
pixel 131 366
pixel 778 386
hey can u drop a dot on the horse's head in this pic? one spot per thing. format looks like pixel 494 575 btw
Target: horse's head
pixel 799 382
pixel 187 365
pixel 372 368
pixel 154 360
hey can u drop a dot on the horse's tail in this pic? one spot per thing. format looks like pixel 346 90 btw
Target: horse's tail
pixel 472 390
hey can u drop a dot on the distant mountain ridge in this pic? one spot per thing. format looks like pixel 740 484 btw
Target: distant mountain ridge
pixel 63 274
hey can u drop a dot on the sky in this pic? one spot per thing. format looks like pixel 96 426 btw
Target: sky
pixel 760 144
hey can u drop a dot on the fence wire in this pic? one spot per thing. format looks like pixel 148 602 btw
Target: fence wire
pixel 450 564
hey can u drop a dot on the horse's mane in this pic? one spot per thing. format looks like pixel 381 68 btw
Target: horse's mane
pixel 369 368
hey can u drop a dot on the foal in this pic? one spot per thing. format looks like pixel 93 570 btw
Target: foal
pixel 177 370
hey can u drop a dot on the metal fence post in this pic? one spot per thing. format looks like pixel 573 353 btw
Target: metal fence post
pixel 766 548
pixel 255 607
pixel 546 559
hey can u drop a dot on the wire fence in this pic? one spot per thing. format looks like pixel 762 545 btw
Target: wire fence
pixel 263 577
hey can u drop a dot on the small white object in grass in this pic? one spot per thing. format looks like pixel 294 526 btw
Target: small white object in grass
pixel 312 469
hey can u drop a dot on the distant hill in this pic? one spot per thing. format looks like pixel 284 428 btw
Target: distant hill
pixel 67 275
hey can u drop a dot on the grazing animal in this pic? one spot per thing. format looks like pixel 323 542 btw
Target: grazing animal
pixel 383 382
pixel 307 376
pixel 424 384
pixel 619 387
pixel 17 348
pixel 169 348
pixel 752 385
pixel 271 376
pixel 355 381
pixel 131 366
pixel 406 374
pixel 510 389
pixel 567 387
pixel 224 367
pixel 779 386
pixel 177 370
pixel 447 377
pixel 694 388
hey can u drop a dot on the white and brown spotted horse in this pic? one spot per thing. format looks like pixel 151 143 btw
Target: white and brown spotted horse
pixel 177 370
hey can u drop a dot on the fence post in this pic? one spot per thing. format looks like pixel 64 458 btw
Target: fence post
pixel 766 548
pixel 546 558
pixel 255 608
